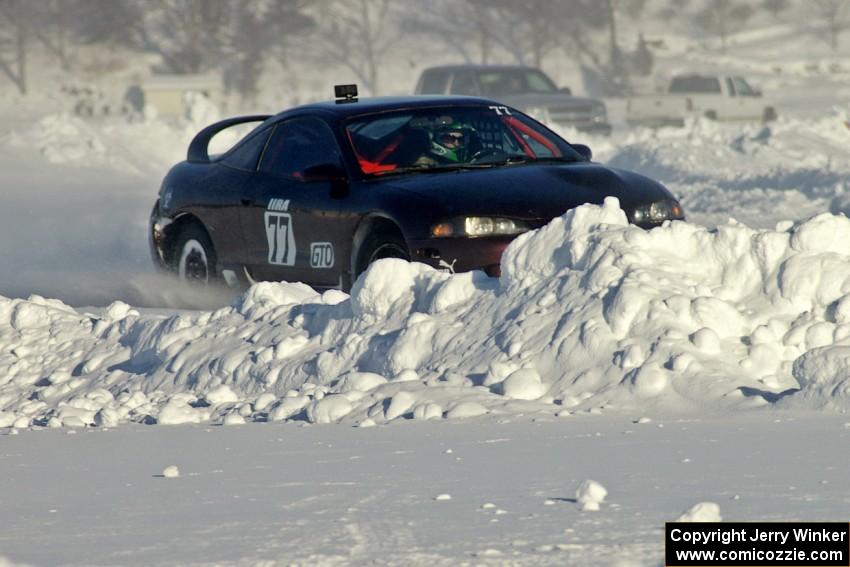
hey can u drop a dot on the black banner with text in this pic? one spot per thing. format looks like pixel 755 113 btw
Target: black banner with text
pixel 757 544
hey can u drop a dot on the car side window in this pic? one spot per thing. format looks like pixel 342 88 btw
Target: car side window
pixel 464 83
pixel 246 154
pixel 298 144
pixel 730 87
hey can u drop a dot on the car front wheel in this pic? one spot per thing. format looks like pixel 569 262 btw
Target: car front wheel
pixel 194 259
pixel 382 245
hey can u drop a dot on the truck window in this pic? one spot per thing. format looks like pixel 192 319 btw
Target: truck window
pixel 695 84
pixel 742 87
pixel 514 81
pixel 433 81
pixel 730 86
pixel 539 83
pixel 464 83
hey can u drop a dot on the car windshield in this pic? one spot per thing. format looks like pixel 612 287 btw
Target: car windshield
pixel 514 81
pixel 436 139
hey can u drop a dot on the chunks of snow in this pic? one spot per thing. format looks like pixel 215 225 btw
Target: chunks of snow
pixel 177 412
pixel 589 495
pixel 523 384
pixel 589 312
pixel 400 404
pixel 388 286
pixel 702 512
pixel 329 409
pixel 466 409
pixel 221 395
pixel 171 471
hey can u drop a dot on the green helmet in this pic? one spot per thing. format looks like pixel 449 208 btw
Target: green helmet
pixel 451 141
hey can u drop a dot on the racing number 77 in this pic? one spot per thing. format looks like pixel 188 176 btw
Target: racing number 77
pixel 277 234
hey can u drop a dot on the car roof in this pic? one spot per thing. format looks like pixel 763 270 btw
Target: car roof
pixel 480 67
pixel 380 104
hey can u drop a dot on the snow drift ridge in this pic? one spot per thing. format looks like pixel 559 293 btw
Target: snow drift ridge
pixel 589 313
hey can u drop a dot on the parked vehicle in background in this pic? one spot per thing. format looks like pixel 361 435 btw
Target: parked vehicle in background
pixel 714 97
pixel 526 88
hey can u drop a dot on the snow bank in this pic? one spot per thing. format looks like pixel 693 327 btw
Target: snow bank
pixel 759 174
pixel 589 313
pixel 134 144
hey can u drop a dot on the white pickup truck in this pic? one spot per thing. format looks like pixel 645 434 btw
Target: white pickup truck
pixel 715 97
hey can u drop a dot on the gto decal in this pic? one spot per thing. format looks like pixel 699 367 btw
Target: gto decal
pixel 321 255
pixel 280 238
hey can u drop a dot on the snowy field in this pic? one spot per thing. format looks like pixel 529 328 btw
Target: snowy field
pixel 429 418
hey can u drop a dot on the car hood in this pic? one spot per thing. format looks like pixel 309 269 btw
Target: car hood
pixel 548 100
pixel 531 191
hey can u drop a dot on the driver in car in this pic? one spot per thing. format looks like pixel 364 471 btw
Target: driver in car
pixel 451 142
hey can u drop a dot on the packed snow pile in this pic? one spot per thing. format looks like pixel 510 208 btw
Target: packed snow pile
pixel 798 166
pixel 132 144
pixel 590 314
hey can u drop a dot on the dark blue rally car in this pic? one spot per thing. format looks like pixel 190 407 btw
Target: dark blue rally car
pixel 316 193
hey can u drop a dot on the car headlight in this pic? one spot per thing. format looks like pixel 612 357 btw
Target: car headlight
pixel 658 211
pixel 479 226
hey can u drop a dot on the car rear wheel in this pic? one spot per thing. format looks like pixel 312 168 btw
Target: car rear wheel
pixel 194 259
pixel 382 245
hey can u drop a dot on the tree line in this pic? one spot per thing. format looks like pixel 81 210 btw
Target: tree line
pixel 237 37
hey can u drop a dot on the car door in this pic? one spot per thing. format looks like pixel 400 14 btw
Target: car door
pixel 735 107
pixel 750 106
pixel 229 188
pixel 290 222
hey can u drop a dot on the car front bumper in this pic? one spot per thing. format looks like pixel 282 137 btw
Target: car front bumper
pixel 461 254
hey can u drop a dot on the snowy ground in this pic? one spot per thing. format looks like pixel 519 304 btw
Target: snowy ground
pixel 430 419
pixel 446 493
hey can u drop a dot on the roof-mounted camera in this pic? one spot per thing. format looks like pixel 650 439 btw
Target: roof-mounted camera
pixel 345 93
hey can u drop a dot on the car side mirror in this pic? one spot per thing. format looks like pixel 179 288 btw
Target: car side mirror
pixel 566 90
pixel 323 172
pixel 585 151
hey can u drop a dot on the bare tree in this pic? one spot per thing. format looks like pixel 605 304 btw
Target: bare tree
pixel 723 18
pixel 531 29
pixel 835 16
pixel 53 29
pixel 187 34
pixel 464 27
pixel 16 19
pixel 232 36
pixel 673 9
pixel 358 33
pixel 107 21
pixel 260 30
pixel 775 7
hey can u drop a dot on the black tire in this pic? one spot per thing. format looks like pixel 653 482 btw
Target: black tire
pixel 711 114
pixel 769 114
pixel 380 245
pixel 193 258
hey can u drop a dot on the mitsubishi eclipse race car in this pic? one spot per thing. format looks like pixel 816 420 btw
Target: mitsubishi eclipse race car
pixel 317 193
